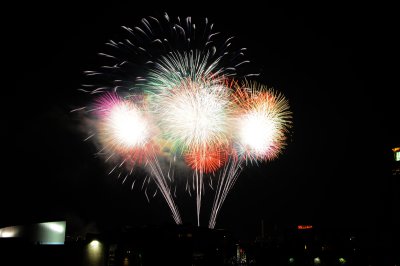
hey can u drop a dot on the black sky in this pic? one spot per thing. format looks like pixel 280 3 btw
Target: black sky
pixel 332 63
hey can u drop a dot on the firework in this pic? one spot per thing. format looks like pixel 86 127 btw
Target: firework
pixel 262 122
pixel 194 115
pixel 208 159
pixel 167 95
pixel 176 68
pixel 123 128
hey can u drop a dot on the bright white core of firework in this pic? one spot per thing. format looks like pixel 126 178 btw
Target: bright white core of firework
pixel 257 132
pixel 128 125
pixel 197 117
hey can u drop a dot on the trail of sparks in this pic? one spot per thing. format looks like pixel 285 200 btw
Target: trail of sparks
pixel 163 186
pixel 198 179
pixel 226 180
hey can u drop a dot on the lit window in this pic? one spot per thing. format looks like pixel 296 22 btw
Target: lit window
pixel 397 156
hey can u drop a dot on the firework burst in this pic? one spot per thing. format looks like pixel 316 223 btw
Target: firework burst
pixel 195 115
pixel 206 159
pixel 177 67
pixel 123 129
pixel 262 122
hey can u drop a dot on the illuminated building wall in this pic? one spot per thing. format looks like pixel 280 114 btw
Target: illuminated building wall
pixel 395 198
pixel 396 163
pixel 50 233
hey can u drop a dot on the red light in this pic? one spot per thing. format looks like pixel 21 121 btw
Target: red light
pixel 304 227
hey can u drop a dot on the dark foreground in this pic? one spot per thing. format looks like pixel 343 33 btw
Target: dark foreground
pixel 188 245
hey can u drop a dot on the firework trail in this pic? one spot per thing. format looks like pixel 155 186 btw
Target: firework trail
pixel 163 186
pixel 226 180
pixel 262 119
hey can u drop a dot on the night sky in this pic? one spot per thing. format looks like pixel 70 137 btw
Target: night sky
pixel 329 61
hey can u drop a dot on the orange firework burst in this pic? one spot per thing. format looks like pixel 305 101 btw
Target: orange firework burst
pixel 207 159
